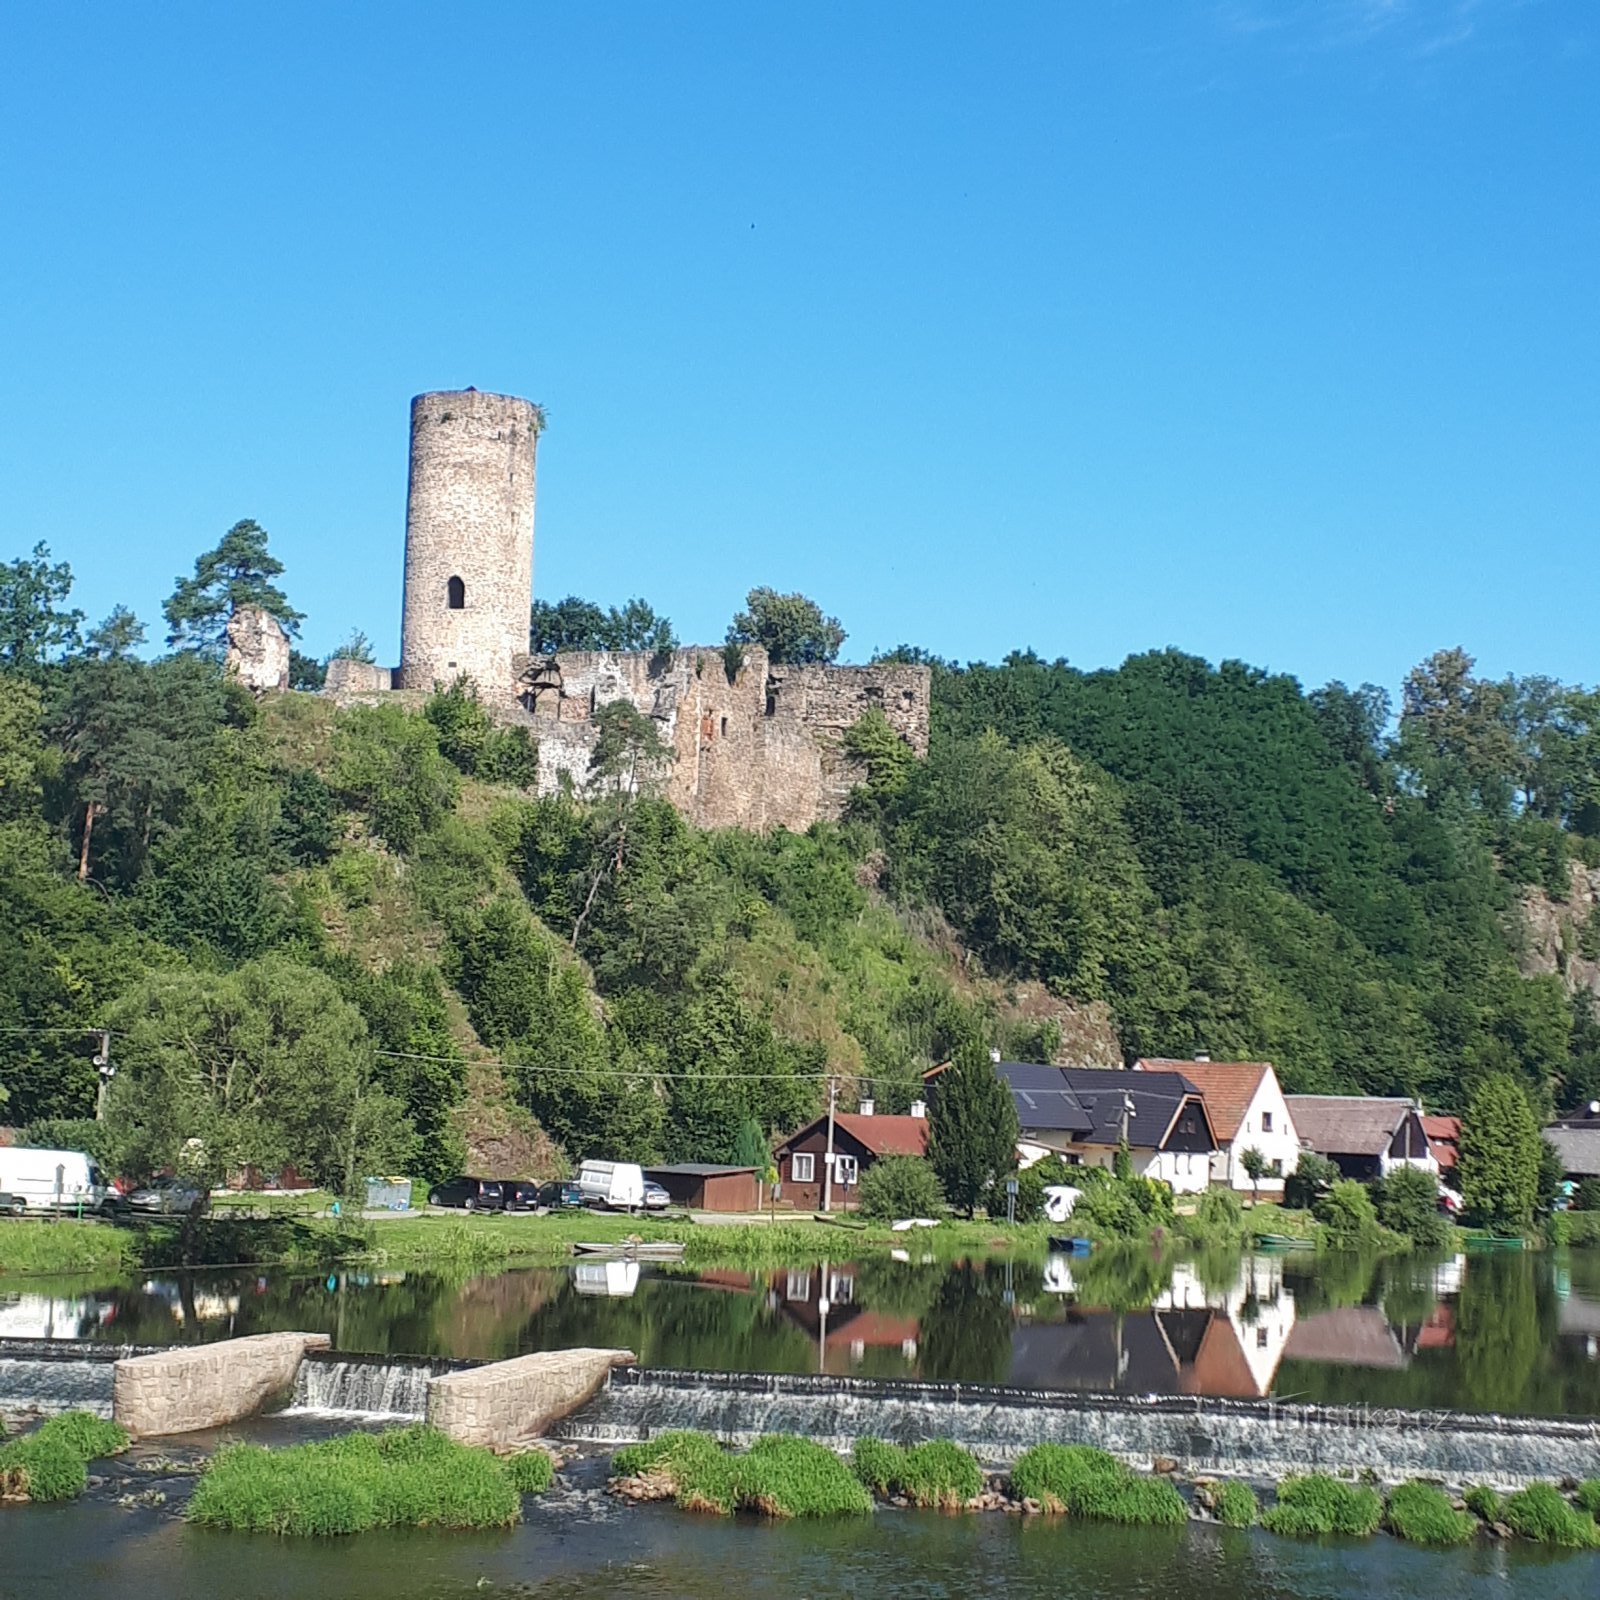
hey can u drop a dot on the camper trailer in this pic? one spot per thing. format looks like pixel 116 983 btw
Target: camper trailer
pixel 617 1184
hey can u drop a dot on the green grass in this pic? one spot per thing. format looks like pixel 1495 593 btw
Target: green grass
pixel 28 1245
pixel 52 1462
pixel 1316 1504
pixel 1587 1496
pixel 1235 1503
pixel 1422 1514
pixel 405 1478
pixel 1538 1512
pixel 1483 1502
pixel 936 1474
pixel 780 1475
pixel 1085 1482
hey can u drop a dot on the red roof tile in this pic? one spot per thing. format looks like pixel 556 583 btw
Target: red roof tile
pixel 887 1136
pixel 1228 1088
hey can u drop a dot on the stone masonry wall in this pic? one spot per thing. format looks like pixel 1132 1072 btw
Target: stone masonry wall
pixel 207 1386
pixel 511 1403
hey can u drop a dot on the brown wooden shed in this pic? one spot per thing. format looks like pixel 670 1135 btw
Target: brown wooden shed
pixel 703 1187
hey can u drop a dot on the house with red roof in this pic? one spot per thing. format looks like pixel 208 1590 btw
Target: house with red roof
pixel 1248 1110
pixel 1444 1140
pixel 858 1141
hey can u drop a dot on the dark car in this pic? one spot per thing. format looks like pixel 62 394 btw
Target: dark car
pixel 560 1194
pixel 519 1195
pixel 470 1194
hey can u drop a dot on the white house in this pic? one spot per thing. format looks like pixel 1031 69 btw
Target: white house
pixel 1248 1110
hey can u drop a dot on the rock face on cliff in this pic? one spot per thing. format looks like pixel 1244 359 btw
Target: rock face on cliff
pixel 1563 936
pixel 258 650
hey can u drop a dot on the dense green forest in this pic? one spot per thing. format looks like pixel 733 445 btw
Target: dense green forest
pixel 352 941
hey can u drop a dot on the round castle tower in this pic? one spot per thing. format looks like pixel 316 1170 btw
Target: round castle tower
pixel 469 539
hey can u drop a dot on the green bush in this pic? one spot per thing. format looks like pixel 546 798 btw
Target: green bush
pixel 1539 1512
pixel 1235 1503
pixel 1347 1215
pixel 1408 1202
pixel 407 1477
pixel 1317 1504
pixel 1587 1496
pixel 936 1474
pixel 900 1186
pixel 51 1463
pixel 780 1475
pixel 1312 1177
pixel 1586 1197
pixel 1484 1502
pixel 1218 1219
pixel 1422 1514
pixel 1085 1482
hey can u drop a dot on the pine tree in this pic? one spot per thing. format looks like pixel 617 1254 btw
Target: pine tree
pixel 972 1140
pixel 239 572
pixel 1500 1153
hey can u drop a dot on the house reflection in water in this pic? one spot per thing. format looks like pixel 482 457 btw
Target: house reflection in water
pixel 822 1300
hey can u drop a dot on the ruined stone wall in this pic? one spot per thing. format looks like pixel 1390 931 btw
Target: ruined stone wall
pixel 258 650
pixel 469 522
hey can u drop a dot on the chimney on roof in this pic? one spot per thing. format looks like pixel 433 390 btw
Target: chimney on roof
pixel 1201 1056
pixel 994 1054
pixel 868 1107
pixel 919 1108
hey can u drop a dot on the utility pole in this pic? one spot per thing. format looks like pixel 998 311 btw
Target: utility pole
pixel 827 1160
pixel 102 1065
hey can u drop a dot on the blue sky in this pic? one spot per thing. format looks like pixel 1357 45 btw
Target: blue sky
pixel 1265 330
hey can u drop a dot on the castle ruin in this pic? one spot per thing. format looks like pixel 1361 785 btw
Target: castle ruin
pixel 758 744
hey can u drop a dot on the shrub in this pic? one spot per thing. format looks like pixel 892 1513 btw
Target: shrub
pixel 1085 1482
pixel 900 1186
pixel 1422 1513
pixel 1219 1218
pixel 1347 1215
pixel 1235 1503
pixel 936 1474
pixel 406 1477
pixel 51 1463
pixel 1408 1202
pixel 1482 1501
pixel 1588 1496
pixel 1312 1177
pixel 1586 1197
pixel 1539 1512
pixel 1317 1504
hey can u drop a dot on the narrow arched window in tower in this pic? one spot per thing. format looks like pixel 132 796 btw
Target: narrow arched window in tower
pixel 458 594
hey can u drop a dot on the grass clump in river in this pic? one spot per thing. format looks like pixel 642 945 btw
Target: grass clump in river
pixel 412 1477
pixel 1483 1502
pixel 1316 1504
pixel 936 1474
pixel 1539 1512
pixel 1422 1513
pixel 1235 1504
pixel 1587 1496
pixel 780 1475
pixel 52 1462
pixel 1085 1482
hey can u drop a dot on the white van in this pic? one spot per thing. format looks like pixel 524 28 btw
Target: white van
pixel 49 1180
pixel 618 1184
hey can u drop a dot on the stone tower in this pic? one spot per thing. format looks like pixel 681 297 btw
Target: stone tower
pixel 469 539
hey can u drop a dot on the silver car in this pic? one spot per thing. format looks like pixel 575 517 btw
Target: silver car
pixel 165 1196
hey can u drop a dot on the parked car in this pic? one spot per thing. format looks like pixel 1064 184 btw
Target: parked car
pixel 560 1194
pixel 519 1195
pixel 617 1184
pixel 655 1197
pixel 469 1194
pixel 49 1180
pixel 165 1196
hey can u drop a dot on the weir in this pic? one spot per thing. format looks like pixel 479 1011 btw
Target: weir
pixel 1261 1438
pixel 40 1377
pixel 368 1387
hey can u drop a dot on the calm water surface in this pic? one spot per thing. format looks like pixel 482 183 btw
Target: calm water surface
pixel 1515 1333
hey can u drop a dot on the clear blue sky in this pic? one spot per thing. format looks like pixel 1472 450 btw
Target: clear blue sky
pixel 1266 329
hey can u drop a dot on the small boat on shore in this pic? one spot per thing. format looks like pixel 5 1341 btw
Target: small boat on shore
pixel 1283 1241
pixel 1069 1244
pixel 631 1250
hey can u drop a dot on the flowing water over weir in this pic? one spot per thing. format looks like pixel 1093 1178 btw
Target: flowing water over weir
pixel 341 1384
pixel 44 1376
pixel 1248 1437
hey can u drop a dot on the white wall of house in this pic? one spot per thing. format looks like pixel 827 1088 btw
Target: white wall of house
pixel 1188 1173
pixel 1267 1127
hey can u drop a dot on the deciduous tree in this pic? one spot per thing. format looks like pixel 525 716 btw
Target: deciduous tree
pixel 789 627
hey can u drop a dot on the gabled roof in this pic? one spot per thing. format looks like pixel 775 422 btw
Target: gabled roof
pixel 1444 1138
pixel 1228 1087
pixel 883 1136
pixel 1087 1102
pixel 1347 1124
pixel 1353 1336
pixel 1578 1147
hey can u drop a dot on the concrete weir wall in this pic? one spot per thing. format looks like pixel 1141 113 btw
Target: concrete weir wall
pixel 207 1386
pixel 510 1403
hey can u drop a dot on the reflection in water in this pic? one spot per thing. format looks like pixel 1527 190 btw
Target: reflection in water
pixel 1509 1333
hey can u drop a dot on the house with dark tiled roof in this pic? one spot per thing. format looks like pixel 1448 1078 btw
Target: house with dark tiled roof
pixel 1081 1113
pixel 1577 1142
pixel 1365 1136
pixel 1248 1111
pixel 858 1141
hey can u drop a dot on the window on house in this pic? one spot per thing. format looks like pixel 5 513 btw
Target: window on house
pixel 1261 1338
pixel 1266 1122
pixel 1277 1169
pixel 802 1167
pixel 799 1286
pixel 724 727
pixel 457 594
pixel 841 1289
pixel 1187 1125
pixel 844 1168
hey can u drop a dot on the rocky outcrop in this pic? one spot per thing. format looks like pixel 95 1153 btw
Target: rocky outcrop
pixel 1563 936
pixel 258 650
